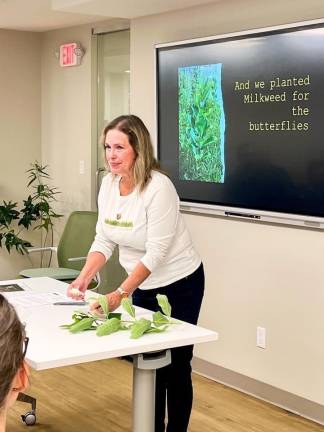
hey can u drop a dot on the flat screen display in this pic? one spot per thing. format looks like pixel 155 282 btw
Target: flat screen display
pixel 241 120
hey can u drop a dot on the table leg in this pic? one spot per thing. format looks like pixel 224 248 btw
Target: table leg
pixel 144 372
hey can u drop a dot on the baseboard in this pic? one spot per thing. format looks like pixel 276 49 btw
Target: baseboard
pixel 288 401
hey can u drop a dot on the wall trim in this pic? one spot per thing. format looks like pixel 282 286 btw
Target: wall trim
pixel 281 398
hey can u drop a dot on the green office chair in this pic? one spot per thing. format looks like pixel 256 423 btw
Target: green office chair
pixel 72 249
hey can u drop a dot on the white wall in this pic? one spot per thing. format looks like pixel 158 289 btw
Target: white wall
pixel 20 129
pixel 257 274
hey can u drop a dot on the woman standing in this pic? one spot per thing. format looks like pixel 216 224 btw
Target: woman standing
pixel 13 370
pixel 139 211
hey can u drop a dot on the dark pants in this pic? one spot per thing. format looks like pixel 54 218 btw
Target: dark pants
pixel 174 381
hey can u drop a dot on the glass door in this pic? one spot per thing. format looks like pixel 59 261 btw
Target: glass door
pixel 113 66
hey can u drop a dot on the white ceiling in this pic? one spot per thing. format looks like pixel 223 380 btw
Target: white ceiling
pixel 43 15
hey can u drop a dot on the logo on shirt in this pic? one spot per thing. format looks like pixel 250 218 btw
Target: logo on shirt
pixel 119 223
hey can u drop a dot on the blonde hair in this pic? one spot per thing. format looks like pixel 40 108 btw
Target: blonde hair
pixel 139 138
pixel 12 336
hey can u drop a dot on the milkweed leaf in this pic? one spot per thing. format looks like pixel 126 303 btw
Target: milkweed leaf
pixel 115 315
pixel 164 304
pixel 159 319
pixel 82 325
pixel 103 301
pixel 128 306
pixel 157 329
pixel 110 326
pixel 139 328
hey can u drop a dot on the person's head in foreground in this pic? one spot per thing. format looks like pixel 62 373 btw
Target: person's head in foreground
pixel 13 369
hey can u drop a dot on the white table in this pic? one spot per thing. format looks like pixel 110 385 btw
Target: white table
pixel 50 346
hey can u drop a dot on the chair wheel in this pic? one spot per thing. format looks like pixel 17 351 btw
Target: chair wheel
pixel 29 418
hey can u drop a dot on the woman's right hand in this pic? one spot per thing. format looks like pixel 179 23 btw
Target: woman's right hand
pixel 77 288
pixel 94 262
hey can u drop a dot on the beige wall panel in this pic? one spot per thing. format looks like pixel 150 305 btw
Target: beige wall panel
pixel 20 129
pixel 66 119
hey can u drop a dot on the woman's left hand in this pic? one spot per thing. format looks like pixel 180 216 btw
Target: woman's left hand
pixel 114 300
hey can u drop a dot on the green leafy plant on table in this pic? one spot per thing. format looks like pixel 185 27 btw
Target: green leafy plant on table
pixel 37 213
pixel 113 322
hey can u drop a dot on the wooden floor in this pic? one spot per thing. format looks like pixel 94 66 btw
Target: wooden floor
pixel 96 397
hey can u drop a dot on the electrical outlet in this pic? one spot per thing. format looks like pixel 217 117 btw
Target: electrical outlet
pixel 261 337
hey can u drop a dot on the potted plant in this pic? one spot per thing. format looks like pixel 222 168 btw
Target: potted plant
pixel 37 213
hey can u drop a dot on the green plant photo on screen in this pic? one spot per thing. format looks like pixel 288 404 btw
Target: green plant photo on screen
pixel 201 124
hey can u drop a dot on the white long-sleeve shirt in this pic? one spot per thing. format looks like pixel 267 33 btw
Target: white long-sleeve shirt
pixel 148 227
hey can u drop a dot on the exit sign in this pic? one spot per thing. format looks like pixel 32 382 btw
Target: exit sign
pixel 70 54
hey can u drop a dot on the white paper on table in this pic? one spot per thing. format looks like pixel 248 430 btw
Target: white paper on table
pixel 27 299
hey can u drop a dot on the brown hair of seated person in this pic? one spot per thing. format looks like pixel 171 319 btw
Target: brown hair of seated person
pixel 13 370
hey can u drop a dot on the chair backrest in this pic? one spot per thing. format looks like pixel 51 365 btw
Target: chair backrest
pixel 76 239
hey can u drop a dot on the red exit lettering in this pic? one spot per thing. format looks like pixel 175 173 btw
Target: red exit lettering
pixel 67 55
